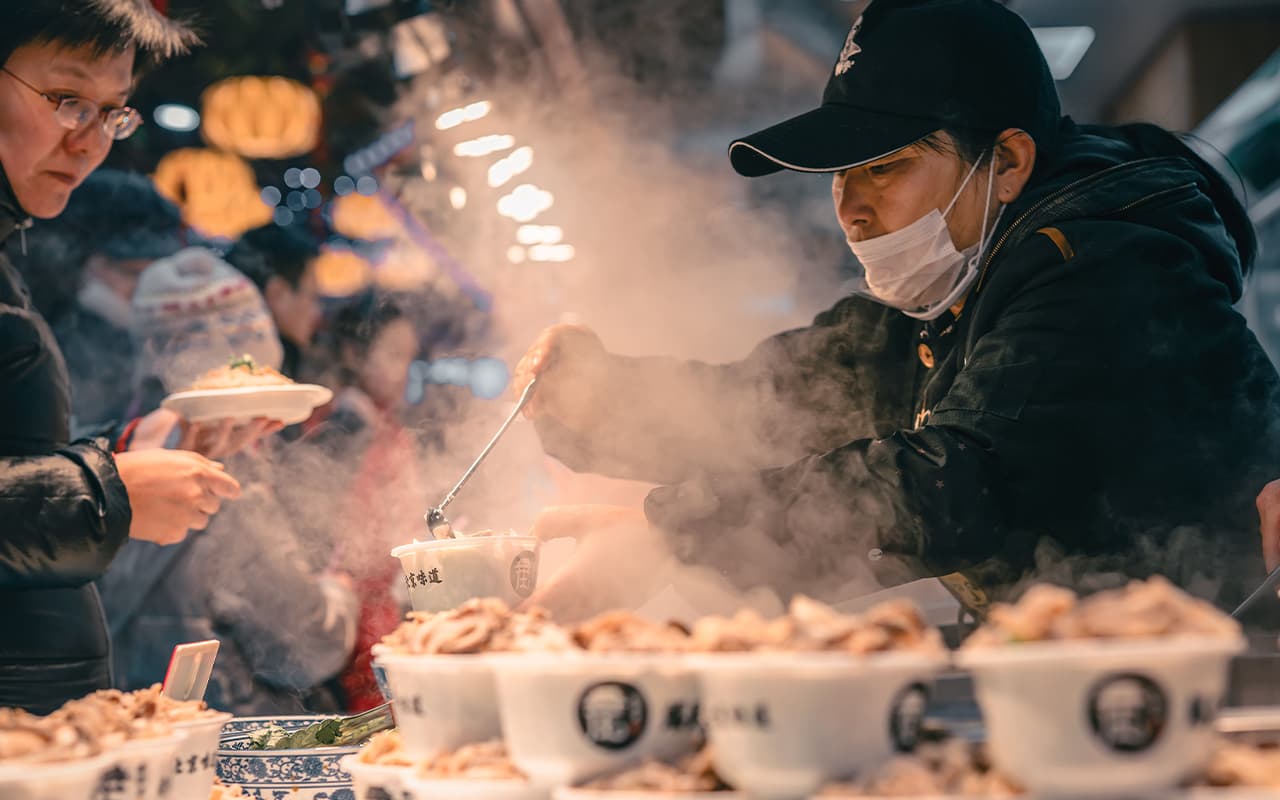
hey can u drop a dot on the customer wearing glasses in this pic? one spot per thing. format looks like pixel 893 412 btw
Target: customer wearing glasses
pixel 66 507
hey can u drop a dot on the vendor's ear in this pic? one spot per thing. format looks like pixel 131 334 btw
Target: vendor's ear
pixel 1015 155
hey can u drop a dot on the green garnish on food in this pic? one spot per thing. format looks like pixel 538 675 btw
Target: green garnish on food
pixel 244 361
pixel 332 732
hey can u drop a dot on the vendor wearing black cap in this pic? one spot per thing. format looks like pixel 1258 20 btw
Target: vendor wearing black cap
pixel 1044 377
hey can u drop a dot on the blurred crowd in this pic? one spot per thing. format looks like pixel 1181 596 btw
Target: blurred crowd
pixel 141 309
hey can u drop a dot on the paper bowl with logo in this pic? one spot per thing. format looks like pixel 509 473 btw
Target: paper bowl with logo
pixel 782 724
pixel 441 702
pixel 1091 717
pixel 378 781
pixel 141 769
pixel 425 788
pixel 444 573
pixel 567 793
pixel 77 779
pixel 195 763
pixel 569 717
pixel 314 773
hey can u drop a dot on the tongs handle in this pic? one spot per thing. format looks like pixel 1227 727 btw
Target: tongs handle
pixel 1267 588
pixel 466 476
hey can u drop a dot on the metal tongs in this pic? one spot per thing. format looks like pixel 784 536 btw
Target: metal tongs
pixel 1267 589
pixel 437 522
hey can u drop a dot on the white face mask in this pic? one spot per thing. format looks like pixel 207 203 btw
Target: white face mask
pixel 917 269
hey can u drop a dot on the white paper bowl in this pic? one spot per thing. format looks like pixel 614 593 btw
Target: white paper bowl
pixel 195 763
pixel 314 773
pixel 785 724
pixel 1101 717
pixel 568 717
pixel 566 793
pixel 378 781
pixel 287 403
pixel 445 573
pixel 141 769
pixel 68 780
pixel 441 702
pixel 464 789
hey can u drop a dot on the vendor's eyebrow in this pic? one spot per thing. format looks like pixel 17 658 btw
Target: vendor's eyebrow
pixel 79 72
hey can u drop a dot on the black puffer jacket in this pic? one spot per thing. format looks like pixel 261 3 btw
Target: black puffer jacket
pixel 63 512
pixel 1097 409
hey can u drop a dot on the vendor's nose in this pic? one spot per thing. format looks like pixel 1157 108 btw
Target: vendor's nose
pixel 852 208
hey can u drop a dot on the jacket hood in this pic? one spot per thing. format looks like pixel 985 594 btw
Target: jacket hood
pixel 1092 174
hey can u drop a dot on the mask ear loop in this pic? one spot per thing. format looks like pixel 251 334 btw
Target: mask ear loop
pixel 963 184
pixel 986 212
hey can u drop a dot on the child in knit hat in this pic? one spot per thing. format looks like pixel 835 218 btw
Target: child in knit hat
pixel 193 312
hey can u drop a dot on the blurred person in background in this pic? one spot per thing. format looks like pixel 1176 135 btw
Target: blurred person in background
pixel 124 225
pixel 280 260
pixel 246 581
pixel 366 496
pixel 67 68
pixel 1044 378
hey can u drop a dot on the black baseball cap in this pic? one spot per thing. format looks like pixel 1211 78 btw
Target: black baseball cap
pixel 907 69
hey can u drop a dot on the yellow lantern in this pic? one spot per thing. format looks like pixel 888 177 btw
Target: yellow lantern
pixel 261 117
pixel 358 216
pixel 217 192
pixel 341 272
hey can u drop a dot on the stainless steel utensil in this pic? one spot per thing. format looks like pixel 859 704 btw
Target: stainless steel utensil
pixel 1267 588
pixel 437 522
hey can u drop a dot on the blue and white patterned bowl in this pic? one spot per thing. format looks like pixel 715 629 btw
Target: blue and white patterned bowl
pixel 313 773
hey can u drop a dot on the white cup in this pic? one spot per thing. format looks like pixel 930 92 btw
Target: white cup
pixel 195 763
pixel 141 769
pixel 445 573
pixel 568 717
pixel 1101 717
pixel 783 724
pixel 63 780
pixel 441 702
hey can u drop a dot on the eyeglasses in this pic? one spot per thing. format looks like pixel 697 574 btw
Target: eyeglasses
pixel 75 113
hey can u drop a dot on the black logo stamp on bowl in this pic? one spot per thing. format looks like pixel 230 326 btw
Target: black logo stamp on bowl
pixel 524 573
pixel 1203 711
pixel 1127 712
pixel 612 715
pixel 906 715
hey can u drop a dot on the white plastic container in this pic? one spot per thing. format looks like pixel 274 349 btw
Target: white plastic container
pixel 378 781
pixel 66 780
pixel 466 789
pixel 441 702
pixel 141 769
pixel 195 763
pixel 565 793
pixel 1102 717
pixel 784 724
pixel 568 717
pixel 445 573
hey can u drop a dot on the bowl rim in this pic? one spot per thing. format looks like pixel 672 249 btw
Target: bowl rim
pixel 353 760
pixel 553 661
pixel 1076 650
pixel 449 544
pixel 739 662
pixel 221 717
pixel 242 735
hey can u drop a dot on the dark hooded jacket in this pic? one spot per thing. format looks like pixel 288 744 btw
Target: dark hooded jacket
pixel 1095 409
pixel 63 512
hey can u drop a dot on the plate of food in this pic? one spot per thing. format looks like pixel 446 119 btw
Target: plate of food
pixel 244 390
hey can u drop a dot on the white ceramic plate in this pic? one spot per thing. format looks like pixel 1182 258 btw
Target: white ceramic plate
pixel 289 403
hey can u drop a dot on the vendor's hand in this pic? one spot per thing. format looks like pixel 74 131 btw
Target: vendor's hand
pixel 618 563
pixel 219 439
pixel 172 492
pixel 568 361
pixel 1269 514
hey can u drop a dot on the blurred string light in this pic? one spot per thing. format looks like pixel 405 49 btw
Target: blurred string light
pixel 525 203
pixel 516 254
pixel 311 198
pixel 282 216
pixel 271 196
pixel 469 113
pixel 484 145
pixel 539 234
pixel 367 185
pixel 458 198
pixel 512 165
pixel 487 378
pixel 344 185
pixel 551 252
pixel 293 178
pixel 296 201
pixel 176 117
pixel 310 178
